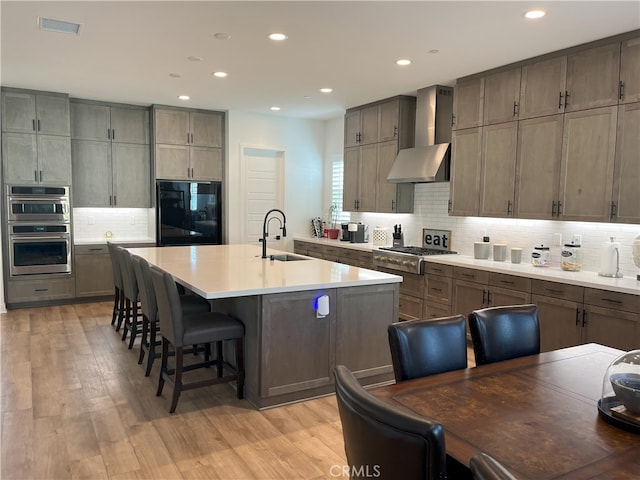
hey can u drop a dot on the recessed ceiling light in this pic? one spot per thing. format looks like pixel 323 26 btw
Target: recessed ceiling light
pixel 221 36
pixel 326 90
pixel 403 61
pixel 278 37
pixel 535 13
pixel 193 58
pixel 184 97
pixel 307 97
pixel 433 51
pixel 275 109
pixel 219 74
pixel 175 75
pixel 59 26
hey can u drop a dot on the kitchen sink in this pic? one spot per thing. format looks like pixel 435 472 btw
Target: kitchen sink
pixel 287 258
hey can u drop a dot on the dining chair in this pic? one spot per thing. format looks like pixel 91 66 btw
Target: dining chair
pixel 427 346
pixel 501 333
pixel 381 441
pixel 118 296
pixel 180 330
pixel 485 467
pixel 132 313
pixel 149 338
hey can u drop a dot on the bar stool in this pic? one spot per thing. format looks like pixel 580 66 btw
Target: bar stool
pixel 200 328
pixel 131 297
pixel 149 340
pixel 118 298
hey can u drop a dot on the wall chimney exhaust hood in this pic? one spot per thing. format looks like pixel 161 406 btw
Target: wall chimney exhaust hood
pixel 430 160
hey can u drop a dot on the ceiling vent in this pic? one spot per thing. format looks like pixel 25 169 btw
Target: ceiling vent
pixel 59 26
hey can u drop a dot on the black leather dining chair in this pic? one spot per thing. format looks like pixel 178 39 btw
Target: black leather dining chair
pixel 149 339
pixel 118 296
pixel 384 442
pixel 502 333
pixel 427 346
pixel 485 467
pixel 204 328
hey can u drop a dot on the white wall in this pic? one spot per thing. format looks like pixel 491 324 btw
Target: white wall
pixel 303 142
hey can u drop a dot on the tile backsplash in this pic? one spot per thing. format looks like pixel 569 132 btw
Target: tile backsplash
pixel 430 211
pixel 94 224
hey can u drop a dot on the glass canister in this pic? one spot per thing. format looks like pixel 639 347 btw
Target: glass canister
pixel 571 258
pixel 540 256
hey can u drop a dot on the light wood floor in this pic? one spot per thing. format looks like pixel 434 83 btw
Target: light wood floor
pixel 76 405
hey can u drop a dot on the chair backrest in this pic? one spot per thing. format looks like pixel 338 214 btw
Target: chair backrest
pixel 129 281
pixel 383 442
pixel 115 265
pixel 485 467
pixel 169 307
pixel 501 333
pixel 145 288
pixel 427 346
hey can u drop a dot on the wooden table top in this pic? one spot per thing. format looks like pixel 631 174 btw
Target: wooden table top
pixel 536 415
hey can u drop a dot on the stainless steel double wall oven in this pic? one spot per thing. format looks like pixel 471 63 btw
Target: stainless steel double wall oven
pixel 39 227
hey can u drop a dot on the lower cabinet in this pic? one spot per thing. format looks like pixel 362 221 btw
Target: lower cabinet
pixel 39 290
pixel 94 275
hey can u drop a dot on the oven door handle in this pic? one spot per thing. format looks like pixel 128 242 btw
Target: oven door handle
pixel 31 238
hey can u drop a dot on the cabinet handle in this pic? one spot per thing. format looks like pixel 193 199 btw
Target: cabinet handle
pixel 584 317
pixel 484 296
pixel 611 300
pixel 449 207
pixel 621 90
pixel 488 297
pixel 395 131
pixel 35 176
pixel 38 122
pixel 453 120
pixel 560 100
pixel 553 209
pixel 515 108
pixel 115 200
pixel 566 99
pixel 436 289
pixel 108 133
pixel 41 290
pixel 554 291
pixel 393 205
pixel 33 124
pixel 113 134
pixel 191 138
pixel 40 176
pixel 468 275
pixel 614 210
pixel 507 282
pixel 110 200
pixel 577 316
pixel 509 207
pixel 559 208
pixel 188 137
pixel 95 249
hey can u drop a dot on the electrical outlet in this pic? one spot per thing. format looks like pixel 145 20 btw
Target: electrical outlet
pixel 577 240
pixel 557 239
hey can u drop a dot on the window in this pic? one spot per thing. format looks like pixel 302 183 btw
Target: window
pixel 337 172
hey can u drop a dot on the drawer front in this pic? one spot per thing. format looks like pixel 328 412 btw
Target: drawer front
pixel 300 247
pixel 412 283
pixel 555 289
pixel 91 249
pixel 436 310
pixel 613 300
pixel 510 281
pixel 312 247
pixel 438 269
pixel 439 289
pixel 409 307
pixel 40 290
pixel 471 275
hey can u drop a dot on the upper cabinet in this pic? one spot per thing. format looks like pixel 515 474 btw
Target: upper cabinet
pixel 188 144
pixel 373 135
pixel 111 155
pixel 555 137
pixel 468 104
pixel 35 112
pixel 36 148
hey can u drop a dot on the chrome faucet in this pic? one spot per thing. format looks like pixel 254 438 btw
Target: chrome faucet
pixel 265 229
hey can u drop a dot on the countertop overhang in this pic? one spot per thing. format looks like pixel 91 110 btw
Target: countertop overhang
pixel 223 271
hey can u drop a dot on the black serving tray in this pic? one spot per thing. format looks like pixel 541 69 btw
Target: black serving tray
pixel 604 407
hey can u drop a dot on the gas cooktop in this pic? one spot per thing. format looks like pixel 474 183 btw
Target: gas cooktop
pixel 419 251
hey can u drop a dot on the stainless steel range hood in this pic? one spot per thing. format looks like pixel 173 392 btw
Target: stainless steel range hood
pixel 430 160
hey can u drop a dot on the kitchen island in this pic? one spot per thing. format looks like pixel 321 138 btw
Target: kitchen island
pixel 290 350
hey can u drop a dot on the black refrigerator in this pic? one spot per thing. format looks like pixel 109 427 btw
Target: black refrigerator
pixel 188 213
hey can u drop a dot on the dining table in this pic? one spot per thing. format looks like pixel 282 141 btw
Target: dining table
pixel 537 415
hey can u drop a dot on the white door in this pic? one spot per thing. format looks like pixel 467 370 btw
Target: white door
pixel 263 174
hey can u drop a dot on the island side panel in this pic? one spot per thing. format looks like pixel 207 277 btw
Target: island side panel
pixel 362 343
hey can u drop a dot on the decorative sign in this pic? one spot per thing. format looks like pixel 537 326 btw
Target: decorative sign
pixel 436 239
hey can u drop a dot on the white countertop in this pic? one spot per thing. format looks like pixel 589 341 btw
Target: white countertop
pixel 223 271
pixel 582 278
pixel 103 241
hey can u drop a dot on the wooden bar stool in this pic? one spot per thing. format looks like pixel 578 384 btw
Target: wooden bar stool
pixel 199 328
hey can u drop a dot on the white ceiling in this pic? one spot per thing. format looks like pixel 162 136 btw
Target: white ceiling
pixel 126 50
